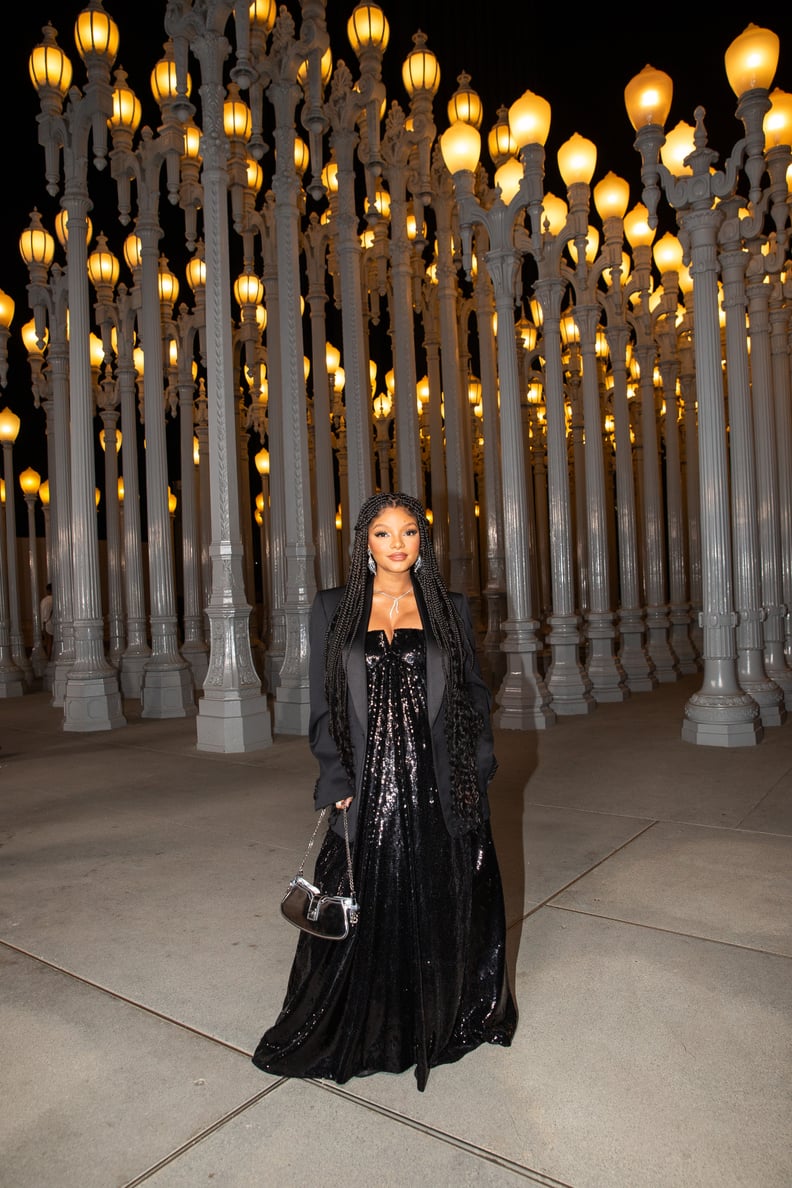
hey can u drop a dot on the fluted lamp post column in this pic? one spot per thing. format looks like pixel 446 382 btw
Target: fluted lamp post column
pixel 667 544
pixel 12 681
pixel 48 294
pixel 262 461
pixel 406 152
pixel 30 482
pixel 720 713
pixel 611 195
pixel 190 326
pixel 233 714
pixel 326 359
pixel 354 106
pixel 166 687
pixel 768 257
pixel 92 699
pixel 292 709
pixel 576 161
pixel 523 698
pixel 553 226
pixel 7 306
pixel 9 430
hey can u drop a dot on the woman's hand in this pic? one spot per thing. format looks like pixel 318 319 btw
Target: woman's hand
pixel 343 804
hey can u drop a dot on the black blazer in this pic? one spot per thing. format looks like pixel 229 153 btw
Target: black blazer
pixel 334 783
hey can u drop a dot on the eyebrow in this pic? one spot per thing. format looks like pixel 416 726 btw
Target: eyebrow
pixel 380 524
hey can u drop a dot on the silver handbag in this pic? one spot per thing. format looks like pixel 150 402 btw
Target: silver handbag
pixel 312 910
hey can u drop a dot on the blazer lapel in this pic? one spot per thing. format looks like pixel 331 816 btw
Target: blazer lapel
pixel 355 660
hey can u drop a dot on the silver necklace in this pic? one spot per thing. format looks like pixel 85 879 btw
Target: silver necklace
pixel 394 610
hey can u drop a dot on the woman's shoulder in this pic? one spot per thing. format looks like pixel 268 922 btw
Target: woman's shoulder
pixel 329 599
pixel 458 598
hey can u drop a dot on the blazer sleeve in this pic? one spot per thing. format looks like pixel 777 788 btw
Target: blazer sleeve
pixel 333 783
pixel 481 698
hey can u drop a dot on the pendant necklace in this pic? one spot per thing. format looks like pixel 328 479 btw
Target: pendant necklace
pixel 394 610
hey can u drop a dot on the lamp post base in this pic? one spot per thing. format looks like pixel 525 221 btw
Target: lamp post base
pixel 167 691
pixel 567 681
pixel 11 682
pixel 520 706
pixel 92 703
pixel 658 629
pixel 131 672
pixel 635 661
pixel 292 710
pixel 722 720
pixel 770 699
pixel 604 670
pixel 230 724
pixel 523 699
pixel 679 639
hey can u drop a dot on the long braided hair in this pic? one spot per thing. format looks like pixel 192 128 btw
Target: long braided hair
pixel 463 723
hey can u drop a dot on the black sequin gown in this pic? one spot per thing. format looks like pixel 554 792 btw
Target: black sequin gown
pixel 422 979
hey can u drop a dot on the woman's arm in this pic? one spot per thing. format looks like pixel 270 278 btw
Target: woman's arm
pixel 481 699
pixel 334 783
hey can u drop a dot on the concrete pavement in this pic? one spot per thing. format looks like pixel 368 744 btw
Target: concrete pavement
pixel 649 896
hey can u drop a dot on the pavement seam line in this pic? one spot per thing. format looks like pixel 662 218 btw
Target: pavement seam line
pixel 546 902
pixel 527 1173
pixel 198 1138
pixel 125 999
pixel 710 940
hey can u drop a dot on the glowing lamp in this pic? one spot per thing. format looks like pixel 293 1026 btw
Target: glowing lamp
pixel 752 60
pixel 30 481
pixel 647 98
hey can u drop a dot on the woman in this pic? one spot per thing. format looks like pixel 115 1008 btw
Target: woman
pixel 400 726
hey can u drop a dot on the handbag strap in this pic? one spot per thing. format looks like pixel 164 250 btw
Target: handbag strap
pixel 346 842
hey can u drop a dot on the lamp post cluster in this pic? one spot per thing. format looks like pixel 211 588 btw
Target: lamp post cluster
pixel 617 511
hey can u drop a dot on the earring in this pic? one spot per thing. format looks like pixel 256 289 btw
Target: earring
pixel 418 563
pixel 372 564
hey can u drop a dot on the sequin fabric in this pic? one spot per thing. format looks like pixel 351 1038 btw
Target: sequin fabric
pixel 422 980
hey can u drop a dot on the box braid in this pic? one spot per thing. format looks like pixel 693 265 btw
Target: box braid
pixel 463 722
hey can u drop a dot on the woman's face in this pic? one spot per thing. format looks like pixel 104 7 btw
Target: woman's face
pixel 394 540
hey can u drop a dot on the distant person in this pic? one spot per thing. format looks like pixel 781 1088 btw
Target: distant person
pixel 47 626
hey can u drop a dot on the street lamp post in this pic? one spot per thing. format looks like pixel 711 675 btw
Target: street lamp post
pixel 286 57
pixel 551 230
pixel 611 203
pixel 166 689
pixel 233 714
pixel 48 294
pixel 577 158
pixel 92 699
pixel 30 482
pixel 316 242
pixel 751 669
pixel 189 329
pixel 9 429
pixel 761 274
pixel 668 257
pixel 523 698
pixel 493 591
pixel 7 307
pixel 658 625
pixel 720 713
pixel 12 680
pixel 352 106
pixel 406 154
